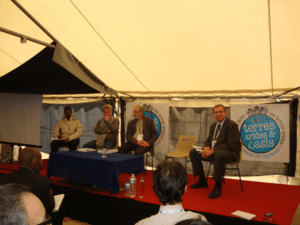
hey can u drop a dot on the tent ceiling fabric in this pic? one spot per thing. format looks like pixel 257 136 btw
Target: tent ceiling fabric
pixel 155 48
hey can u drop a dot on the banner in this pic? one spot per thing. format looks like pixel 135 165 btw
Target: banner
pixel 264 130
pixel 159 112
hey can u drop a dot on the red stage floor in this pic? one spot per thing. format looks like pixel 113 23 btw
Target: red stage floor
pixel 258 198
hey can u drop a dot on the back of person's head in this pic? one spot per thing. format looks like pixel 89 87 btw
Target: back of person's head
pixel 196 221
pixel 18 206
pixel 169 182
pixel 31 157
pixel 12 208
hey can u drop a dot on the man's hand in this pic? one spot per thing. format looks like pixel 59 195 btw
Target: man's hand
pixel 106 118
pixel 59 136
pixel 207 152
pixel 67 140
pixel 143 143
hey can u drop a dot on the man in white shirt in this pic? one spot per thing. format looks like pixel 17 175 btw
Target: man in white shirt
pixel 169 184
pixel 222 146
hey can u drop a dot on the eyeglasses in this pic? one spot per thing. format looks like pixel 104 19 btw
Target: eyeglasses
pixel 47 220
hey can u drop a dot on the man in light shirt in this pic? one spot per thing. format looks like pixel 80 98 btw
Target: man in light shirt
pixel 67 130
pixel 222 146
pixel 169 184
pixel 106 130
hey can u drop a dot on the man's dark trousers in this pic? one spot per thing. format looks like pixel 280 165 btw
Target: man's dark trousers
pixel 220 158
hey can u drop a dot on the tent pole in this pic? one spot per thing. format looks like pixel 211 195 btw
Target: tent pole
pixel 117 108
pixel 33 19
pixel 26 37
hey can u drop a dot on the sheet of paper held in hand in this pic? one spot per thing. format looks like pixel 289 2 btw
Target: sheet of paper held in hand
pixel 198 148
pixel 58 200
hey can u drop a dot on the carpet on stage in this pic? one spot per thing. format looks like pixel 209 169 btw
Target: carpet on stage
pixel 257 198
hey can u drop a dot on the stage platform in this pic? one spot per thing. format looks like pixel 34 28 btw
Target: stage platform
pixel 101 207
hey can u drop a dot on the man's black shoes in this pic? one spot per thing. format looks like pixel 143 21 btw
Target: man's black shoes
pixel 216 192
pixel 199 184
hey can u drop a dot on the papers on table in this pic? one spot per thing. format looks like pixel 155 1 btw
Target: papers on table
pixel 86 150
pixel 58 200
pixel 244 215
pixel 198 148
pixel 108 151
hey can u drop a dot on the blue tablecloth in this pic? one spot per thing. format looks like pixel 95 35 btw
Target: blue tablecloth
pixel 90 168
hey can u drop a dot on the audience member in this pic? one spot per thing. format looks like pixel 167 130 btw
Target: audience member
pixel 30 165
pixel 197 221
pixel 18 206
pixel 141 134
pixel 106 130
pixel 169 184
pixel 67 130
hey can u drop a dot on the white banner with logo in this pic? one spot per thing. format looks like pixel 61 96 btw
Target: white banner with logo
pixel 264 130
pixel 159 112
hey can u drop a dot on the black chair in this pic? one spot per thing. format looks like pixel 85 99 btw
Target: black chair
pixel 228 168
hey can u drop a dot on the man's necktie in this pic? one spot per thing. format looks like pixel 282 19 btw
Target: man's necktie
pixel 217 131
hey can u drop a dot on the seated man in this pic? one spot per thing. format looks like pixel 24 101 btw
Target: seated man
pixel 30 165
pixel 169 184
pixel 19 206
pixel 107 130
pixel 222 146
pixel 141 134
pixel 68 130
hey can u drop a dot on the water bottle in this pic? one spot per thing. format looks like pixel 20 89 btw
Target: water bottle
pixel 141 188
pixel 132 192
pixel 127 188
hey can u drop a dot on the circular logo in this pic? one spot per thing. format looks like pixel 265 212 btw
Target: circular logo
pixel 260 133
pixel 156 121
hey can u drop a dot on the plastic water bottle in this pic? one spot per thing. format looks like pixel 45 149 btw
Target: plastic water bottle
pixel 132 192
pixel 127 188
pixel 141 188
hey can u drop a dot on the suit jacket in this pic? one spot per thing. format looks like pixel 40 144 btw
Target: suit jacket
pixel 228 138
pixel 39 185
pixel 149 132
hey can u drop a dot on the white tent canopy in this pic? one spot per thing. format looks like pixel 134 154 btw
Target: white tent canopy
pixel 196 48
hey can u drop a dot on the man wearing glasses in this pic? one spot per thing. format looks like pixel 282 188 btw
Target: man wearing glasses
pixel 222 146
pixel 19 206
pixel 28 174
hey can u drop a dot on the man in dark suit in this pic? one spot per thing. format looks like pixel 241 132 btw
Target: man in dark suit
pixel 222 146
pixel 141 134
pixel 30 166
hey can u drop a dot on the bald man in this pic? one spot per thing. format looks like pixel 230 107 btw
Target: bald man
pixel 19 206
pixel 31 163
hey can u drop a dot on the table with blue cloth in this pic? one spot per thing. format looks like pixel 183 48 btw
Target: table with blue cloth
pixel 90 168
